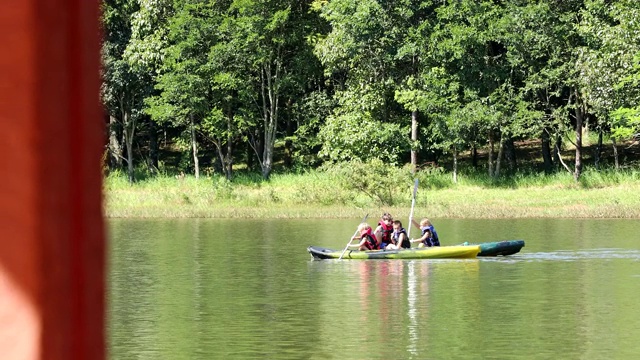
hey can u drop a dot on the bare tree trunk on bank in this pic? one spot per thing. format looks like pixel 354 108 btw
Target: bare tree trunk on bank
pixel 579 121
pixel 223 158
pixel 474 156
pixel 194 147
pixel 557 157
pixel 218 164
pixel 510 154
pixel 270 79
pixel 288 145
pixel 153 146
pixel 115 148
pixel 414 139
pixel 546 151
pixel 129 133
pixel 499 157
pixel 455 164
pixel 250 157
pixel 598 154
pixel 615 153
pixel 228 164
pixel 490 160
pixel 225 153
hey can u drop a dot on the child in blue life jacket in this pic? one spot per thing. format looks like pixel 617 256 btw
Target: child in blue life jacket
pixel 367 239
pixel 429 236
pixel 384 230
pixel 399 239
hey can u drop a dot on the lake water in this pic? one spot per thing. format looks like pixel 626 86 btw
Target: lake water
pixel 248 289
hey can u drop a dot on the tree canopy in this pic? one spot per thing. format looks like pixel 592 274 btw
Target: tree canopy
pixel 258 83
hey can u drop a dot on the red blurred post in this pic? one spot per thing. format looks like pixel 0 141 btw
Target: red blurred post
pixel 51 142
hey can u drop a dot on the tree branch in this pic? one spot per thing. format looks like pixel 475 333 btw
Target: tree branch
pixel 562 162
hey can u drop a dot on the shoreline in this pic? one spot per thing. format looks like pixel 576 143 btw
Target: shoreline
pixel 612 202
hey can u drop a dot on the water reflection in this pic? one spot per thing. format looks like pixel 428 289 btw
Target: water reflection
pixel 393 302
pixel 180 289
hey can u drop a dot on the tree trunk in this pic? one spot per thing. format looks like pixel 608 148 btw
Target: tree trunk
pixel 615 153
pixel 598 154
pixel 556 154
pixel 250 157
pixel 228 165
pixel 490 160
pixel 414 139
pixel 499 157
pixel 510 154
pixel 220 163
pixel 260 146
pixel 546 151
pixel 129 132
pixel 270 97
pixel 579 121
pixel 153 146
pixel 194 147
pixel 455 164
pixel 288 145
pixel 474 156
pixel 115 148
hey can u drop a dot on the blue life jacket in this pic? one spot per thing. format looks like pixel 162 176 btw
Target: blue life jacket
pixel 433 240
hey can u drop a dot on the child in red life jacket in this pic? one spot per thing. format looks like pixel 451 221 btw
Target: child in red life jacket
pixel 384 230
pixel 367 239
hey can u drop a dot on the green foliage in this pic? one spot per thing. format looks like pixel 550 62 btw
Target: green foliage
pixel 357 136
pixel 626 123
pixel 310 113
pixel 376 179
pixel 338 80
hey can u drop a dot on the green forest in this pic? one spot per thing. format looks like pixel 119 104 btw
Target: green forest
pixel 256 86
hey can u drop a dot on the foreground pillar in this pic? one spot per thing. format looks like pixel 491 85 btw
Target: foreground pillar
pixel 51 138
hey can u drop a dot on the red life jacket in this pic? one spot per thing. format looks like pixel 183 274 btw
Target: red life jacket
pixel 372 243
pixel 387 230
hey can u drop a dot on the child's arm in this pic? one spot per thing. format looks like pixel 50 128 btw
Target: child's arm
pixel 422 238
pixel 401 239
pixel 414 222
pixel 378 234
pixel 362 241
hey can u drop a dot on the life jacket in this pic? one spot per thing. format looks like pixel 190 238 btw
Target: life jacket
pixel 396 236
pixel 387 230
pixel 372 243
pixel 433 240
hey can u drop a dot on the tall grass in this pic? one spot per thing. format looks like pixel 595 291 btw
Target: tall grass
pixel 327 193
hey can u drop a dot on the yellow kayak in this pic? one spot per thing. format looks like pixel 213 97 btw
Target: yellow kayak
pixel 437 252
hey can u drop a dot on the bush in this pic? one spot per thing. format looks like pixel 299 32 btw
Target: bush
pixel 378 180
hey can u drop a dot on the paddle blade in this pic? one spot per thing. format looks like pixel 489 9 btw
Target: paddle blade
pixel 415 188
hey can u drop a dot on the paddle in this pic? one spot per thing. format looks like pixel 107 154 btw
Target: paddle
pixel 351 238
pixel 413 203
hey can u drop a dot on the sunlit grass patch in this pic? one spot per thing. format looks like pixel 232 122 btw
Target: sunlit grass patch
pixel 321 194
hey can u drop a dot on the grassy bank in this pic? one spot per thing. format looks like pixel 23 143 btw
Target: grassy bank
pixel 317 194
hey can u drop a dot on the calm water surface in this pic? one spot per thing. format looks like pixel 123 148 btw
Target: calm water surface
pixel 236 289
